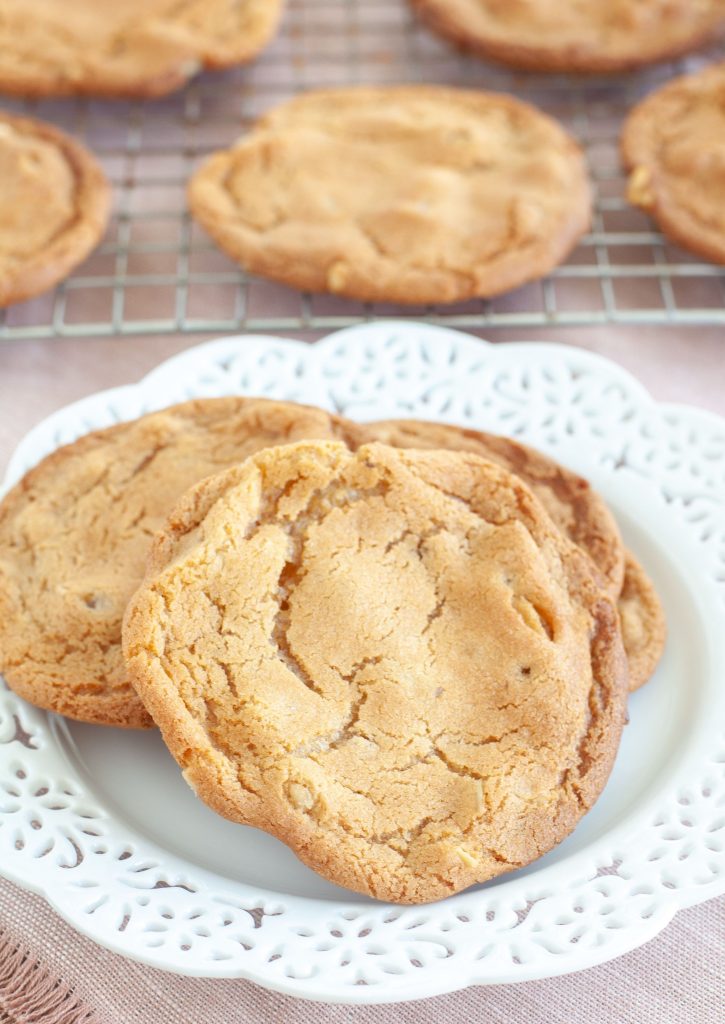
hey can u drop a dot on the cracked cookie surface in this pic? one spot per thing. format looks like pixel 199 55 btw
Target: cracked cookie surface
pixel 75 533
pixel 54 206
pixel 392 660
pixel 405 194
pixel 576 509
pixel 568 35
pixel 133 48
pixel 673 145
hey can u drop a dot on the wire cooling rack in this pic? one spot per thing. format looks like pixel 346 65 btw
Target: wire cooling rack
pixel 157 272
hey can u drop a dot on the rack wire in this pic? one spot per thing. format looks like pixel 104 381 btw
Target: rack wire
pixel 157 272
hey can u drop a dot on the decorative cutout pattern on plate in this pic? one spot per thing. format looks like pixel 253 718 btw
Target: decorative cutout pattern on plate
pixel 134 897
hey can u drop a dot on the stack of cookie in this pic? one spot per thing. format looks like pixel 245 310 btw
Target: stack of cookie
pixel 400 647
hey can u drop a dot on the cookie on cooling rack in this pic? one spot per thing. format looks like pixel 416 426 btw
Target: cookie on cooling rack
pixel 75 532
pixel 567 35
pixel 673 144
pixel 54 206
pixel 392 660
pixel 408 194
pixel 575 508
pixel 132 48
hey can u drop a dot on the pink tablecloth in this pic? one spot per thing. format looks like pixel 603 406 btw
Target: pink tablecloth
pixel 50 975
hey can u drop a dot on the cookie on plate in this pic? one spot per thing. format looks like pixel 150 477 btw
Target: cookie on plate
pixel 54 206
pixel 75 533
pixel 407 194
pixel 132 48
pixel 576 509
pixel 673 145
pixel 567 35
pixel 392 660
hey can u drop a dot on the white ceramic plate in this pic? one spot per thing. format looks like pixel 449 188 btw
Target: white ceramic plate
pixel 102 825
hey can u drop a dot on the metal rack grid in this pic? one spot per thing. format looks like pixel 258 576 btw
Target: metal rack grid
pixel 157 272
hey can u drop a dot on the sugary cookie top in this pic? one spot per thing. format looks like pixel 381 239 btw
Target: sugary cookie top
pixel 135 47
pixel 392 660
pixel 75 533
pixel 409 193
pixel 576 35
pixel 674 144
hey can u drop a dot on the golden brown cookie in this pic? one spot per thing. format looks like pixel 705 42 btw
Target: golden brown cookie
pixel 408 194
pixel 392 660
pixel 567 35
pixel 75 532
pixel 642 621
pixel 571 502
pixel 131 48
pixel 673 144
pixel 54 206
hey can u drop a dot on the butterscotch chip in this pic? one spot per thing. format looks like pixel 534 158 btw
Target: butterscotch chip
pixel 127 48
pixel 406 194
pixel 575 508
pixel 392 660
pixel 673 144
pixel 54 206
pixel 567 35
pixel 643 623
pixel 75 532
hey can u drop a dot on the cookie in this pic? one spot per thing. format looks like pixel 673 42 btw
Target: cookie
pixel 407 194
pixel 392 660
pixel 54 206
pixel 575 508
pixel 570 36
pixel 134 48
pixel 642 622
pixel 673 144
pixel 571 502
pixel 75 532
